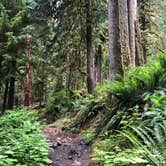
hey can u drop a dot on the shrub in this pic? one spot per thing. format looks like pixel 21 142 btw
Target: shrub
pixel 117 150
pixel 21 140
pixel 57 101
pixel 139 79
pixel 144 95
pixel 150 134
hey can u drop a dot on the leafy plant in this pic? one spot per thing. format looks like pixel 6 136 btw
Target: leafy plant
pixel 21 140
pixel 57 101
pixel 150 135
pixel 116 150
pixel 140 79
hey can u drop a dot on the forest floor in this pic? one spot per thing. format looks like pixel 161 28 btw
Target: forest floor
pixel 67 148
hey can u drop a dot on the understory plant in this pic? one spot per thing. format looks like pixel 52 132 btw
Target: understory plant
pixel 116 150
pixel 21 140
pixel 142 117
pixel 139 79
pixel 120 96
pixel 150 134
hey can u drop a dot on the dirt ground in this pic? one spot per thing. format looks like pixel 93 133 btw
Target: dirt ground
pixel 67 149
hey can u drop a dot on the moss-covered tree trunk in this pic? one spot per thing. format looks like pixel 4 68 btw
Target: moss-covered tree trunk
pixel 124 32
pixel 140 59
pixel 90 56
pixel 98 64
pixel 68 74
pixel 115 60
pixel 28 77
pixel 132 13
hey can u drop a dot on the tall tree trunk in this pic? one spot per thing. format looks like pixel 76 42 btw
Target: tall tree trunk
pixel 98 65
pixel 124 32
pixel 139 50
pixel 90 56
pixel 143 28
pixel 28 77
pixel 132 8
pixel 68 74
pixel 115 64
pixel 11 93
pixel 59 83
pixel 1 59
pixel 5 96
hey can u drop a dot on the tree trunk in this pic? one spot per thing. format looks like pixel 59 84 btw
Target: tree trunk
pixel 143 28
pixel 124 32
pixel 28 77
pixel 59 83
pixel 98 65
pixel 90 69
pixel 68 75
pixel 132 8
pixel 115 64
pixel 1 59
pixel 11 93
pixel 5 96
pixel 139 50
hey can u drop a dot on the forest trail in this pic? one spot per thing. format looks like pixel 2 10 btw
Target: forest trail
pixel 67 149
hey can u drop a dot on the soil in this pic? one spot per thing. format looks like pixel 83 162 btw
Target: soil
pixel 66 148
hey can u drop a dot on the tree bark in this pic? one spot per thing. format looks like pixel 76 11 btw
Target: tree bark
pixel 143 28
pixel 115 61
pixel 139 49
pixel 28 77
pixel 68 75
pixel 124 32
pixel 5 96
pixel 11 93
pixel 90 56
pixel 98 65
pixel 132 8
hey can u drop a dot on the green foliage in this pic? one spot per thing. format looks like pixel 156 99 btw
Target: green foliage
pixel 21 140
pixel 14 27
pixel 152 24
pixel 162 79
pixel 58 101
pixel 88 108
pixel 137 82
pixel 117 151
pixel 150 135
pixel 140 79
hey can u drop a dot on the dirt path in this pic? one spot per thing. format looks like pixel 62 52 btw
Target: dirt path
pixel 67 149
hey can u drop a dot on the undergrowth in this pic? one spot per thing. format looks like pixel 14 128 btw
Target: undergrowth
pixel 142 138
pixel 21 141
pixel 116 99
pixel 115 150
pixel 135 107
pixel 137 101
pixel 150 133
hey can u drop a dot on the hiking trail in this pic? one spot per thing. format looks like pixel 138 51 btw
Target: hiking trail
pixel 67 148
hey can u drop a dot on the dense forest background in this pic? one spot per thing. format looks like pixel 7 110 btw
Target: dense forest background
pixel 96 67
pixel 59 36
